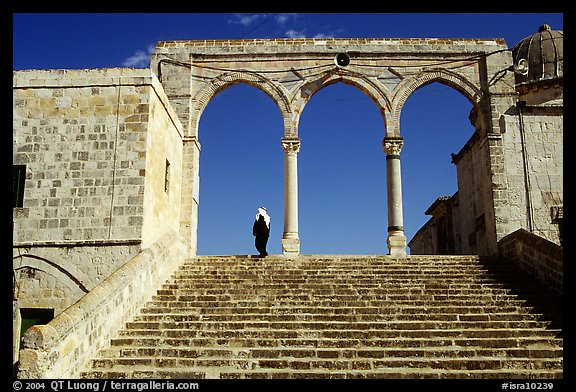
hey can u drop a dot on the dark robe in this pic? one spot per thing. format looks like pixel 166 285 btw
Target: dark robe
pixel 261 231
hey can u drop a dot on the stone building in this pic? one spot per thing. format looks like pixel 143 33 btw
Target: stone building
pixel 105 161
pixel 532 146
pixel 97 158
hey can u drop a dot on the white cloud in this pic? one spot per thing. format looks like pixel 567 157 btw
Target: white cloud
pixel 301 34
pixel 140 59
pixel 295 34
pixel 246 19
pixel 282 19
pixel 288 22
pixel 322 35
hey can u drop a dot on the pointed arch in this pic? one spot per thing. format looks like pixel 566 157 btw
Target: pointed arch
pixel 39 263
pixel 203 97
pixel 378 93
pixel 449 78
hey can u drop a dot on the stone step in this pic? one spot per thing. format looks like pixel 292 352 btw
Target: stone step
pixel 333 295
pixel 523 342
pixel 324 317
pixel 343 353
pixel 332 270
pixel 245 365
pixel 358 283
pixel 334 325
pixel 353 287
pixel 341 316
pixel 344 278
pixel 393 271
pixel 393 310
pixel 345 333
pixel 303 259
pixel 302 265
pixel 304 301
pixel 359 292
pixel 388 373
pixel 332 363
pixel 458 287
pixel 295 270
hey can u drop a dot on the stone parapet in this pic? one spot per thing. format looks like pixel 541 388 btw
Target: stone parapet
pixel 79 77
pixel 539 257
pixel 61 348
pixel 458 45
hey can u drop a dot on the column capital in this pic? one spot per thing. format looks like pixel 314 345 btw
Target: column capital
pixel 291 146
pixel 393 145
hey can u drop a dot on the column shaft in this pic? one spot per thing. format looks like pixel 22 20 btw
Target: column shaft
pixel 396 237
pixel 290 240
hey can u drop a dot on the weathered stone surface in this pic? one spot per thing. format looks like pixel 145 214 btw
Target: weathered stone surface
pixel 111 165
pixel 418 317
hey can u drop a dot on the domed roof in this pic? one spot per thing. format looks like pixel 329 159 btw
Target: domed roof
pixel 544 52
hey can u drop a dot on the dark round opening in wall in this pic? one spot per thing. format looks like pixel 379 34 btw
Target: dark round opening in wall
pixel 342 59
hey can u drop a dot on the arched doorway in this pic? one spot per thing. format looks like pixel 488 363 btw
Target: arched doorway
pixel 241 166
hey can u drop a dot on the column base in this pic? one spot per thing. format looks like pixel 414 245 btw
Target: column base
pixel 397 244
pixel 291 247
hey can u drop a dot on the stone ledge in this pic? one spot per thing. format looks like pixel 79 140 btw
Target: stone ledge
pixel 65 244
pixel 59 78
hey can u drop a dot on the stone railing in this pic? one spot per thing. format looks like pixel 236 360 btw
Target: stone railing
pixel 539 257
pixel 61 348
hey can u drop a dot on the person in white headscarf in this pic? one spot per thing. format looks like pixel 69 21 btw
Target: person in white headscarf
pixel 261 230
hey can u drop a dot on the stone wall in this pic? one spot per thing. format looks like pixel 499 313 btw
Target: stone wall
pixel 474 196
pixel 424 241
pixel 96 145
pixel 440 234
pixel 82 136
pixel 539 257
pixel 61 348
pixel 533 177
pixel 164 159
pixel 535 172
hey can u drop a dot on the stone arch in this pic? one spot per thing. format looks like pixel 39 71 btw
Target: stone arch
pixel 379 94
pixel 449 78
pixel 39 263
pixel 276 92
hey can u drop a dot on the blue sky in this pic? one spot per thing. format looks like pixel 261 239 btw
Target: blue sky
pixel 342 172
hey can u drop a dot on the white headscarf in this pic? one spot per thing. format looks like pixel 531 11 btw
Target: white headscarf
pixel 262 212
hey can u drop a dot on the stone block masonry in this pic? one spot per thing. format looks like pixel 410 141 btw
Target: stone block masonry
pixel 83 137
pixel 95 145
pixel 65 345
pixel 291 71
pixel 106 175
pixel 87 139
pixel 339 316
pixel 537 256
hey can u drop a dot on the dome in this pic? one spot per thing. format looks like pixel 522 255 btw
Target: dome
pixel 544 53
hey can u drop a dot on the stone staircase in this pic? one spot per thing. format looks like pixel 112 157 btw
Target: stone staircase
pixel 340 317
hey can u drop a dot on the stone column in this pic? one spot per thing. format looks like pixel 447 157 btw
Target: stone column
pixel 396 238
pixel 290 240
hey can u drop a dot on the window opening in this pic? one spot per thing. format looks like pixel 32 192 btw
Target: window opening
pixel 34 316
pixel 18 180
pixel 167 177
